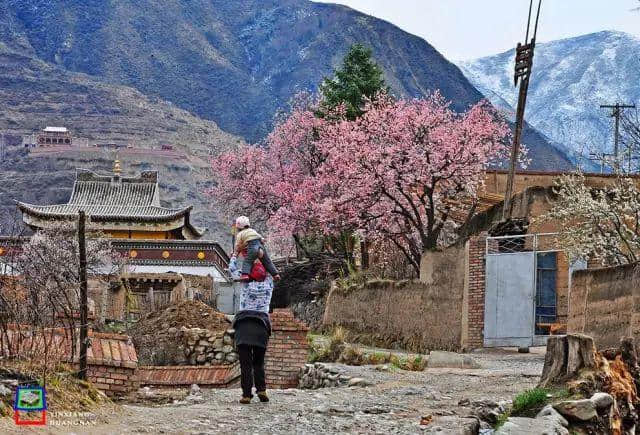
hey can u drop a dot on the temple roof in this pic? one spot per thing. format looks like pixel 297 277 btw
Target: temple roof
pixel 106 212
pixel 112 198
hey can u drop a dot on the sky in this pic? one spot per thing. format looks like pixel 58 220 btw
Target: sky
pixel 468 29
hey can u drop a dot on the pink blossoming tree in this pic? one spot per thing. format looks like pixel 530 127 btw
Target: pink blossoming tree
pixel 401 172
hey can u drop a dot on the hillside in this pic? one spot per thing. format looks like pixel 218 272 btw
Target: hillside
pixel 34 93
pixel 236 63
pixel 571 79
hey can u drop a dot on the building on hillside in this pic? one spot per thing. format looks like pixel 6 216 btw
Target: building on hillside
pixel 54 136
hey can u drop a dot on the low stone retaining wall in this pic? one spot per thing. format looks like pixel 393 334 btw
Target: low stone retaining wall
pixel 320 375
pixel 220 375
pixel 605 304
pixel 203 347
pixel 287 351
pixel 112 362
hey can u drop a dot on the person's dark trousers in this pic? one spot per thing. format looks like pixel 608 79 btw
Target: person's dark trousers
pixel 251 368
pixel 253 250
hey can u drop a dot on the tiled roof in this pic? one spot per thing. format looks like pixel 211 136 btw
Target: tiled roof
pixel 94 189
pixel 111 350
pixel 114 198
pixel 106 212
pixel 118 193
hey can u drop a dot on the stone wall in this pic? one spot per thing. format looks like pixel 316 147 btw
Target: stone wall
pixel 604 303
pixel 287 351
pixel 418 316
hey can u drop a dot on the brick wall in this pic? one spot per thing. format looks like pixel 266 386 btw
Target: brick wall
pixel 113 381
pixel 217 375
pixel 287 350
pixel 112 363
pixel 473 316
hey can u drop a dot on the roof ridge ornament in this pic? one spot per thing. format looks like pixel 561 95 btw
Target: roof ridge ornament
pixel 117 170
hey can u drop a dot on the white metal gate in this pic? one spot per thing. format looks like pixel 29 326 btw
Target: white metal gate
pixel 509 300
pixel 510 290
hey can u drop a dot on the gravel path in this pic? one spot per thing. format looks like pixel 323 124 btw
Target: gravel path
pixel 394 403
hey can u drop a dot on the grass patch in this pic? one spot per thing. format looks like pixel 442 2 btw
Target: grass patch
pixel 530 402
pixel 502 419
pixel 335 349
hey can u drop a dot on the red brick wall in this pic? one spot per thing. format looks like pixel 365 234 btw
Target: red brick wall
pixel 287 350
pixel 476 289
pixel 219 375
pixel 113 381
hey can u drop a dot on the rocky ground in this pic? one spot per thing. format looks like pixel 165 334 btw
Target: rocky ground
pixel 396 401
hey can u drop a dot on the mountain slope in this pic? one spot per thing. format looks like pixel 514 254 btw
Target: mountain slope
pixel 235 62
pixel 571 79
pixel 34 94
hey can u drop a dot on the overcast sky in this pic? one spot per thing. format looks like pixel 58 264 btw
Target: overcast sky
pixel 467 29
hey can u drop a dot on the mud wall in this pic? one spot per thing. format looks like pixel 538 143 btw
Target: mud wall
pixel 415 315
pixel 604 304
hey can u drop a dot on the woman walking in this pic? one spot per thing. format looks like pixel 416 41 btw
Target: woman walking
pixel 252 330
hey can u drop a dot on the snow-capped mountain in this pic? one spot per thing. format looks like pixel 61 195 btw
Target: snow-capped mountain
pixel 571 79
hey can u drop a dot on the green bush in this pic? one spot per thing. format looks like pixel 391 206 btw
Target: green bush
pixel 528 403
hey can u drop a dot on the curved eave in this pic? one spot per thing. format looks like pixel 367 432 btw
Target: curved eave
pixel 197 232
pixel 175 214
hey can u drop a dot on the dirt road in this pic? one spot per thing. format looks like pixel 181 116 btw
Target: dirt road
pixel 394 403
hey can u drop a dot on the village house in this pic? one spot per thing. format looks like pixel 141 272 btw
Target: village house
pixel 492 290
pixel 519 286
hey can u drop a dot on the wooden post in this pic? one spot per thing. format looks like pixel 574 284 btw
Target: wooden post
pixel 364 252
pixel 82 248
pixel 152 302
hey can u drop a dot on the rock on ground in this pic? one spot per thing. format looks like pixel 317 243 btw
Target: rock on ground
pixel 454 426
pixel 451 360
pixel 581 410
pixel 532 426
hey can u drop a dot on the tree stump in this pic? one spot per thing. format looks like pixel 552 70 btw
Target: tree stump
pixel 566 356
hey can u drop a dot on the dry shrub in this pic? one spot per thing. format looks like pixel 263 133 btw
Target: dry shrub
pixel 64 391
pixel 352 356
pixel 335 349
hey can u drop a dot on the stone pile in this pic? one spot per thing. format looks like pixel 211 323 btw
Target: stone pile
pixel 200 346
pixel 557 418
pixel 319 375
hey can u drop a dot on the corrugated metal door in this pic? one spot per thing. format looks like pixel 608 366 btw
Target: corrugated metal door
pixel 509 299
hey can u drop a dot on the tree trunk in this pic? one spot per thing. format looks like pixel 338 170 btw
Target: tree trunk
pixel 566 356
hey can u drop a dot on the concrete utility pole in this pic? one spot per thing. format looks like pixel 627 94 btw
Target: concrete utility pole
pixel 615 113
pixel 601 157
pixel 524 63
pixel 84 339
